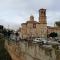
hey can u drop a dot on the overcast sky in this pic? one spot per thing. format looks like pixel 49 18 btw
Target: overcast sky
pixel 15 12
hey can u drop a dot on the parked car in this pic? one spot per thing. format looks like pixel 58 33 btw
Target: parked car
pixel 37 40
pixel 40 40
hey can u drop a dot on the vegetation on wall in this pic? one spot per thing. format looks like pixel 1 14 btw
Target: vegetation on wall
pixel 53 34
pixel 4 55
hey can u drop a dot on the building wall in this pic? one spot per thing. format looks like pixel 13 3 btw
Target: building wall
pixel 39 31
pixel 23 31
pixel 54 29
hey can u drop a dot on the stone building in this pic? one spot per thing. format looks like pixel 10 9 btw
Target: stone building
pixel 33 28
pixel 53 29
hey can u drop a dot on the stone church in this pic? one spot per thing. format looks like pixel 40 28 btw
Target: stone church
pixel 33 28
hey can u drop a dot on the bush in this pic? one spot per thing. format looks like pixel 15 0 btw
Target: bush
pixel 53 34
pixel 4 55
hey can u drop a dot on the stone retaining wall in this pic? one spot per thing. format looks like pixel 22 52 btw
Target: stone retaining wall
pixel 30 51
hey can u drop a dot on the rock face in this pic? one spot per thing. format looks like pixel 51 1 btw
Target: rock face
pixel 4 55
pixel 30 51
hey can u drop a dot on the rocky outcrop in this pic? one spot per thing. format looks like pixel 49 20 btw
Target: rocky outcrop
pixel 31 51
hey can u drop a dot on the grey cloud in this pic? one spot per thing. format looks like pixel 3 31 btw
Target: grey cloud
pixel 10 9
pixel 55 6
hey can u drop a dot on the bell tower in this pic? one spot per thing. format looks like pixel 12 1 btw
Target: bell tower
pixel 42 16
pixel 43 23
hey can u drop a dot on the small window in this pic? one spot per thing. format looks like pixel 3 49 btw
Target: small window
pixel 34 25
pixel 43 12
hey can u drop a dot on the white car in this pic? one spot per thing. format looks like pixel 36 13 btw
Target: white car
pixel 40 40
pixel 44 41
pixel 37 40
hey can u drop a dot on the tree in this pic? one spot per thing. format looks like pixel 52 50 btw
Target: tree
pixel 5 32
pixel 9 32
pixel 1 28
pixel 57 23
pixel 53 34
pixel 17 34
pixel 4 55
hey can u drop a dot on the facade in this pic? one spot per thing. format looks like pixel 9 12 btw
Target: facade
pixel 53 29
pixel 33 28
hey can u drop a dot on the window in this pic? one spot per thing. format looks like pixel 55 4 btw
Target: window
pixel 34 25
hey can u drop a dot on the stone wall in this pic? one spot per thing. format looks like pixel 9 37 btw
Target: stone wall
pixel 31 51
